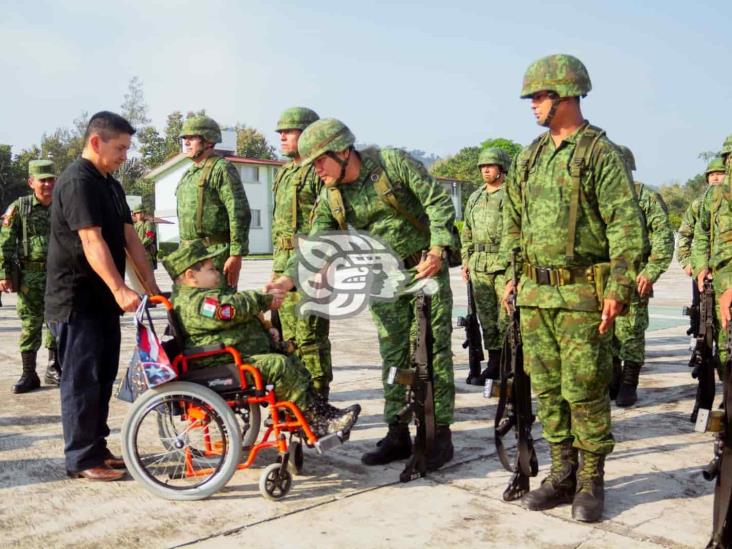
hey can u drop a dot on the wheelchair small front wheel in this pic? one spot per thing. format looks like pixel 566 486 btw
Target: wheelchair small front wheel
pixel 297 458
pixel 275 483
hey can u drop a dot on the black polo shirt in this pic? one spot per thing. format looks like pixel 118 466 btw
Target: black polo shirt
pixel 83 198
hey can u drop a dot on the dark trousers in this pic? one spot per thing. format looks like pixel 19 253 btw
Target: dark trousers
pixel 88 346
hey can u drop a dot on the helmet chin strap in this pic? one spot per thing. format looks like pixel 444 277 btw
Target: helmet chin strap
pixel 343 163
pixel 553 111
pixel 205 148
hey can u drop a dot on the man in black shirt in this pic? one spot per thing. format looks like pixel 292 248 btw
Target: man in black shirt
pixel 91 232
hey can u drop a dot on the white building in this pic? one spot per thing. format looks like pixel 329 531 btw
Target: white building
pixel 257 177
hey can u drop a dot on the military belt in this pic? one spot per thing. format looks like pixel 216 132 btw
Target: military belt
pixel 209 240
pixel 488 247
pixel 547 276
pixel 285 242
pixel 33 265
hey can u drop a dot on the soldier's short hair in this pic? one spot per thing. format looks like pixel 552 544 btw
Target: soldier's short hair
pixel 108 125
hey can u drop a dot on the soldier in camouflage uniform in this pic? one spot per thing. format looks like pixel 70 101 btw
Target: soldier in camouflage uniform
pixel 629 339
pixel 481 240
pixel 296 190
pixel 145 230
pixel 571 209
pixel 212 204
pixel 389 194
pixel 211 314
pixel 710 250
pixel 24 242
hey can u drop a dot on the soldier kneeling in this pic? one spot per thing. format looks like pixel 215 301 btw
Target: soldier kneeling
pixel 209 314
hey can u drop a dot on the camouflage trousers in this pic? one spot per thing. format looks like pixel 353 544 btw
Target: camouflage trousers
pixel 30 312
pixel 310 334
pixel 288 375
pixel 488 291
pixel 629 338
pixel 570 364
pixel 721 335
pixel 395 325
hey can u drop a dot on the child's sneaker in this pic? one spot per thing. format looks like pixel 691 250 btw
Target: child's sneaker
pixel 325 419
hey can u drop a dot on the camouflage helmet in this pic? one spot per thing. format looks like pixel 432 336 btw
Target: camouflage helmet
pixel 727 146
pixel 203 126
pixel 326 135
pixel 562 74
pixel 296 118
pixel 716 164
pixel 494 155
pixel 628 157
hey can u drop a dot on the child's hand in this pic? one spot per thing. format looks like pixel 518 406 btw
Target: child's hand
pixel 274 334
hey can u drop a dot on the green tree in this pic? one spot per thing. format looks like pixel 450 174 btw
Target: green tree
pixel 251 143
pixel 12 182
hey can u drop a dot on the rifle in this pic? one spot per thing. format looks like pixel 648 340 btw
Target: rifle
pixel 473 340
pixel 419 397
pixel 693 311
pixel 720 468
pixel 514 405
pixel 702 359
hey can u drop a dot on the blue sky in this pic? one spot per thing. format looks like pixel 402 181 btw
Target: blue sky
pixel 430 75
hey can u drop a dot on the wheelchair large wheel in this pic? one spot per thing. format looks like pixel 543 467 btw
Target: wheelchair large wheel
pixel 198 452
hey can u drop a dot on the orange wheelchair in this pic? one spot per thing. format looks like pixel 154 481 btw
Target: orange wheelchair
pixel 184 439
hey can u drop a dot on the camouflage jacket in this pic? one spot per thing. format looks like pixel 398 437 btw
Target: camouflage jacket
pixel 212 316
pixel 295 190
pixel 146 232
pixel 11 235
pixel 417 192
pixel 608 229
pixel 660 249
pixel 686 233
pixel 712 236
pixel 481 235
pixel 226 214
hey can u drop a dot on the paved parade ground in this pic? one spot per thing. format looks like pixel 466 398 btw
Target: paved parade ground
pixel 655 494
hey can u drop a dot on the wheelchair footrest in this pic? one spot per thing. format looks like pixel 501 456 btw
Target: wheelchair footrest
pixel 330 441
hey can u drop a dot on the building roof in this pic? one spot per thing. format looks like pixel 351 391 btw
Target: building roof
pixel 180 157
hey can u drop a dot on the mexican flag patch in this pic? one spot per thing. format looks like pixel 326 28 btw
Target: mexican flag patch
pixel 209 306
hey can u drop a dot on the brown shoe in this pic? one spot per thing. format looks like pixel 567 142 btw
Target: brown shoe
pixel 114 462
pixel 100 473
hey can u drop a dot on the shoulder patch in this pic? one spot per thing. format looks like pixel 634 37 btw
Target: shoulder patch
pixel 225 312
pixel 9 215
pixel 209 307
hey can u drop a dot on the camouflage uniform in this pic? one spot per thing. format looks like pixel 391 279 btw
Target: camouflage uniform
pixel 686 233
pixel 225 215
pixel 296 190
pixel 24 238
pixel 629 340
pixel 145 230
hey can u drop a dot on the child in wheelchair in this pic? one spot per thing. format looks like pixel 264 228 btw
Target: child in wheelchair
pixel 208 314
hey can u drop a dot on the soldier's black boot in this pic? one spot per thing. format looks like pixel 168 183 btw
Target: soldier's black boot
pixel 53 370
pixel 628 393
pixel 617 377
pixel 493 368
pixel 560 485
pixel 397 444
pixel 589 501
pixel 443 450
pixel 28 379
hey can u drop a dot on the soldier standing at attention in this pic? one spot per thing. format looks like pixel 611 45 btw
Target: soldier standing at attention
pixel 481 241
pixel 212 204
pixel 710 250
pixel 389 194
pixel 570 207
pixel 145 230
pixel 296 190
pixel 629 340
pixel 24 238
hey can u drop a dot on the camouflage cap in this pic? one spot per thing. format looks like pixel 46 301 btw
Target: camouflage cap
pixel 41 169
pixel 296 118
pixel 326 135
pixel 494 155
pixel 188 255
pixel 203 126
pixel 716 164
pixel 138 209
pixel 628 157
pixel 727 146
pixel 561 73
